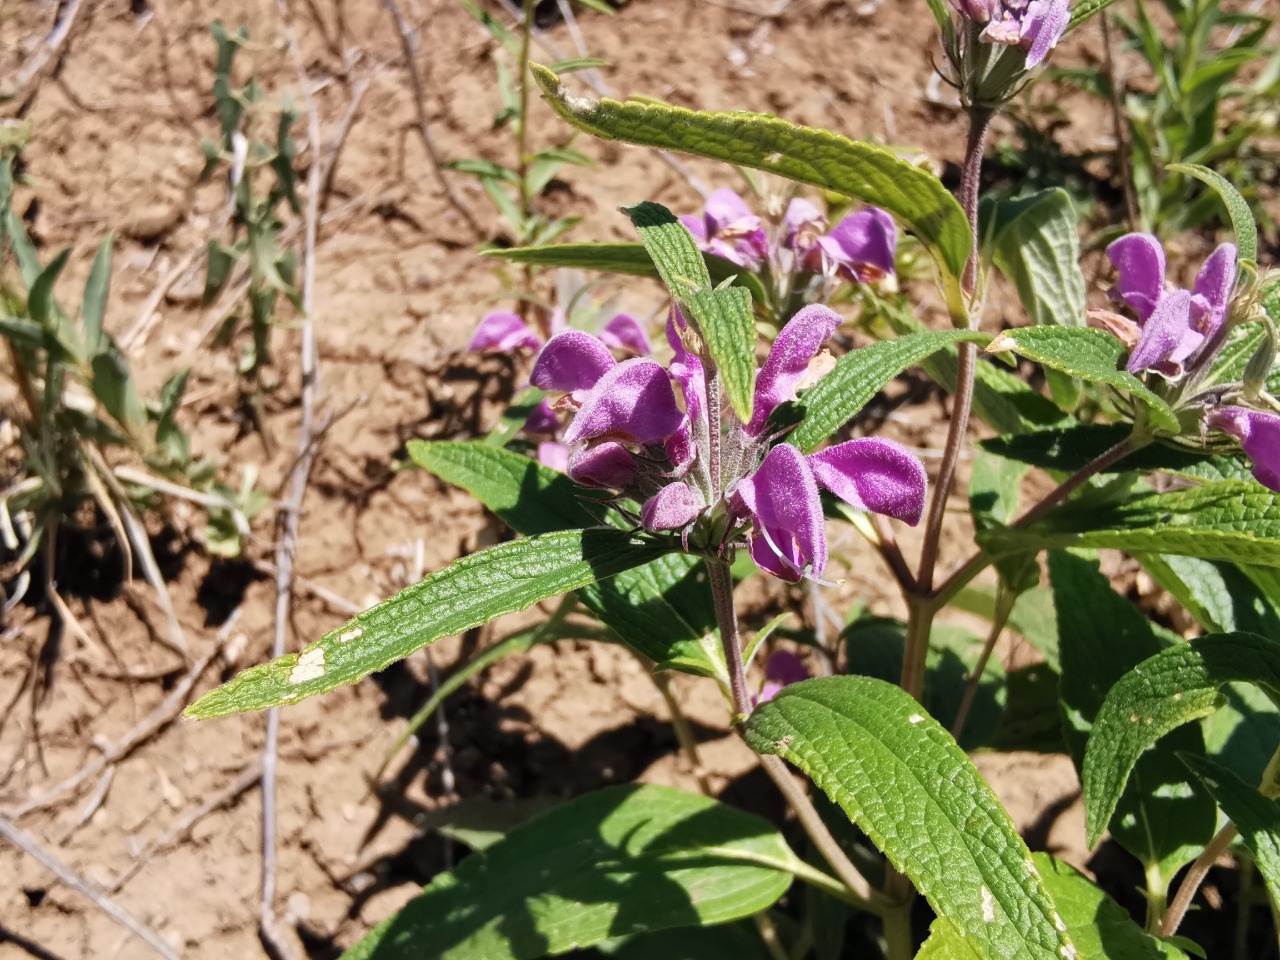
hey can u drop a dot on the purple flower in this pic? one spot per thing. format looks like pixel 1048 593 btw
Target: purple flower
pixel 862 246
pixel 1174 324
pixel 782 669
pixel 503 332
pixel 1034 25
pixel 630 435
pixel 1259 436
pixel 802 225
pixel 729 229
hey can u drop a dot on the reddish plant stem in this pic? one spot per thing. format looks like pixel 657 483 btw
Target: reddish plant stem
pixel 1195 876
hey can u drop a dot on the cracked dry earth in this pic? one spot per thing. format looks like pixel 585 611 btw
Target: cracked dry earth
pixel 172 826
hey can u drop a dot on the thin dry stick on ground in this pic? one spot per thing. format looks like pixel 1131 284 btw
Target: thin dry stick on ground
pixel 68 877
pixel 409 45
pixel 40 57
pixel 155 721
pixel 270 927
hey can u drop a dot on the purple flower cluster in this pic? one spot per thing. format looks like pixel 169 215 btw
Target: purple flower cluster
pixel 1177 327
pixel 861 247
pixel 702 472
pixel 1179 332
pixel 504 332
pixel 1034 25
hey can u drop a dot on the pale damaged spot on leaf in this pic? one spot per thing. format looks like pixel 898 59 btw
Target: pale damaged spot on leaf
pixel 988 906
pixel 351 633
pixel 310 666
pixel 914 719
pixel 1177 697
pixel 783 743
pixel 1058 924
pixel 773 158
pixel 1134 718
pixel 1068 951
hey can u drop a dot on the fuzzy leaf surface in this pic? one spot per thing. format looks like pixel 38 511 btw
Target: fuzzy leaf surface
pixel 662 609
pixel 671 247
pixel 627 259
pixel 1092 355
pixel 467 593
pixel 860 374
pixel 1039 251
pixel 619 861
pixel 1162 820
pixel 1242 223
pixel 728 325
pixel 820 158
pixel 1237 521
pixel 1175 687
pixel 902 779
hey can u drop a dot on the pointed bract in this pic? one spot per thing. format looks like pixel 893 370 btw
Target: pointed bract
pixel 874 474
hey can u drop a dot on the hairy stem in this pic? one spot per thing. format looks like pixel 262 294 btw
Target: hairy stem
pixel 727 619
pixel 981 560
pixel 1195 876
pixel 921 616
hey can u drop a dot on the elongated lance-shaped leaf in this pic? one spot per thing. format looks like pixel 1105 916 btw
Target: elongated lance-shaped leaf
pixel 1233 520
pixel 727 324
pixel 1086 9
pixel 818 157
pixel 1038 249
pixel 902 779
pixel 662 609
pixel 723 316
pixel 1073 447
pixel 94 306
pixel 469 592
pixel 671 247
pixel 628 259
pixel 1160 694
pixel 1242 222
pixel 1089 354
pixel 1255 815
pixel 860 374
pixel 620 861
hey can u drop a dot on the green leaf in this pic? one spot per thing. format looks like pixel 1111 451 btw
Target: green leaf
pixel 40 300
pixel 113 385
pixel 1086 9
pixel 1100 927
pixel 662 609
pixel 1070 448
pixel 1256 816
pixel 1031 719
pixel 628 259
pixel 1163 822
pixel 623 860
pixel 1092 355
pixel 1242 223
pixel 1159 695
pixel 531 498
pixel 1237 521
pixel 219 259
pixel 860 374
pixel 727 325
pixel 1217 594
pixel 1038 249
pixel 817 157
pixel 672 248
pixel 469 592
pixel 94 306
pixel 902 779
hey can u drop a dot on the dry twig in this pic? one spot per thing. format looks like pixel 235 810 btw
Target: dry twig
pixel 29 71
pixel 157 719
pixel 68 877
pixel 179 831
pixel 408 44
